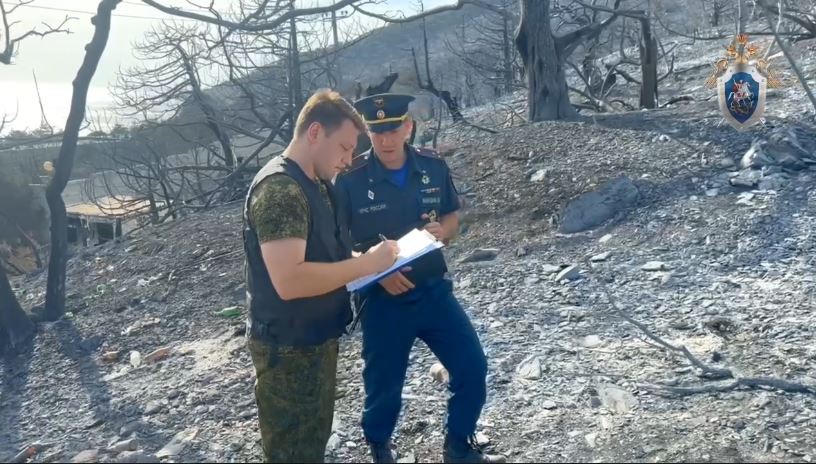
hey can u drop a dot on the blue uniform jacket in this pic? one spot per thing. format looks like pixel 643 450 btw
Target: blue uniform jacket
pixel 371 204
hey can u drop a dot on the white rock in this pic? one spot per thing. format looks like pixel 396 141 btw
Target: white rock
pixel 126 445
pixel 135 359
pixel 712 192
pixel 530 368
pixel 334 442
pixel 177 445
pixel 440 374
pixel 570 273
pixel 590 341
pixel 408 458
pixel 482 439
pixel 87 456
pixel 655 266
pixel 605 238
pixel 600 257
pixel 591 439
pixel 549 405
pixel 539 175
pixel 616 399
pixel 550 269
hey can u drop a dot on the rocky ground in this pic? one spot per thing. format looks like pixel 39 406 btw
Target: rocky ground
pixel 714 252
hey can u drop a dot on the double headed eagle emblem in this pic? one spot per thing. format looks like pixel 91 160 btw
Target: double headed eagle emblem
pixel 741 51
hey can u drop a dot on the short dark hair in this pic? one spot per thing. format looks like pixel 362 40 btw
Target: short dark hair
pixel 330 109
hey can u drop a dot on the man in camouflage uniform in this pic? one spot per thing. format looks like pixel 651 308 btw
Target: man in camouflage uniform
pixel 298 262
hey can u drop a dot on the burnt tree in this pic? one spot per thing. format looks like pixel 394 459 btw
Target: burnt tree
pixel 15 326
pixel 55 291
pixel 451 102
pixel 544 55
pixel 363 142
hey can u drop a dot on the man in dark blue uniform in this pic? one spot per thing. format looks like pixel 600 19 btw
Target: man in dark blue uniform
pixel 388 191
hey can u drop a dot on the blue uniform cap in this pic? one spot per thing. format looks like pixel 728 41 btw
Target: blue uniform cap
pixel 384 112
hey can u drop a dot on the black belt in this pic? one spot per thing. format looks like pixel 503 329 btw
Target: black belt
pixel 260 331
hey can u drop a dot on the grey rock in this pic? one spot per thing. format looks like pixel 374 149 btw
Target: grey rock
pixel 756 157
pixel 592 209
pixel 772 182
pixel 482 254
pixel 126 445
pixel 130 428
pixel 727 163
pixel 521 251
pixel 153 407
pixel 87 456
pixel 746 178
pixel 136 457
pixel 764 154
pixel 549 405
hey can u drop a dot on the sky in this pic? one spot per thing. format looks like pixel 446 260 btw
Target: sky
pixel 56 58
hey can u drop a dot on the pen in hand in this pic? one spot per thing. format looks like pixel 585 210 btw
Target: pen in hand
pixel 383 238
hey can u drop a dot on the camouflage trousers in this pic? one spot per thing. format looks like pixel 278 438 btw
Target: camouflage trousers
pixel 295 391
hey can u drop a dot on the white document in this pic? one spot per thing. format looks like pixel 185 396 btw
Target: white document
pixel 412 246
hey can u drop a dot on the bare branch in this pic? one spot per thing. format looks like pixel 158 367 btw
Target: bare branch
pixel 787 52
pixel 11 43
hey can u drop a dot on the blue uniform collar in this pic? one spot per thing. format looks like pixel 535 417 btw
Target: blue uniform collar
pixel 377 172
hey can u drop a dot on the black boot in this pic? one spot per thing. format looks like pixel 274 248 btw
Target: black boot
pixel 381 452
pixel 466 451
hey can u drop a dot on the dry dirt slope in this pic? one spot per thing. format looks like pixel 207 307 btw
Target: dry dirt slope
pixel 555 347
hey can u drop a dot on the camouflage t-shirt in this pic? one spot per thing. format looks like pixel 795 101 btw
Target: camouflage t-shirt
pixel 278 209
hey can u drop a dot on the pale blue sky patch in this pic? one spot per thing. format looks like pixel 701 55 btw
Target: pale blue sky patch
pixel 56 58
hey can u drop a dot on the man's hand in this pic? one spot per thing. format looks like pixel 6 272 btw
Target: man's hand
pixel 397 283
pixel 381 256
pixel 434 228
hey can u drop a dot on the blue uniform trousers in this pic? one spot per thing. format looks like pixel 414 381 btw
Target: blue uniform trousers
pixel 390 326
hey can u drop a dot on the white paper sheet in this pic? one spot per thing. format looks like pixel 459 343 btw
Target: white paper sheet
pixel 412 246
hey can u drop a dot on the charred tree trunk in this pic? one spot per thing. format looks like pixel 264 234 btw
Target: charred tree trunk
pixel 15 326
pixel 648 65
pixel 295 84
pixel 382 87
pixel 548 95
pixel 55 291
pixel 210 115
pixel 363 142
pixel 507 56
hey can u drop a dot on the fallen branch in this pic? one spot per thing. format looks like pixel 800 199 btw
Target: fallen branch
pixel 787 52
pixel 677 99
pixel 747 382
pixel 708 372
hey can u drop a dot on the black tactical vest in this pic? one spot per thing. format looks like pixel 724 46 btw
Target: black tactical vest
pixel 302 321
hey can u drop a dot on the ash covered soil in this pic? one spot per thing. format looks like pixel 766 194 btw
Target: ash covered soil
pixel 714 256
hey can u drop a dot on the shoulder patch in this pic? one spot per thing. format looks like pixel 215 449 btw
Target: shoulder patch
pixel 427 152
pixel 358 162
